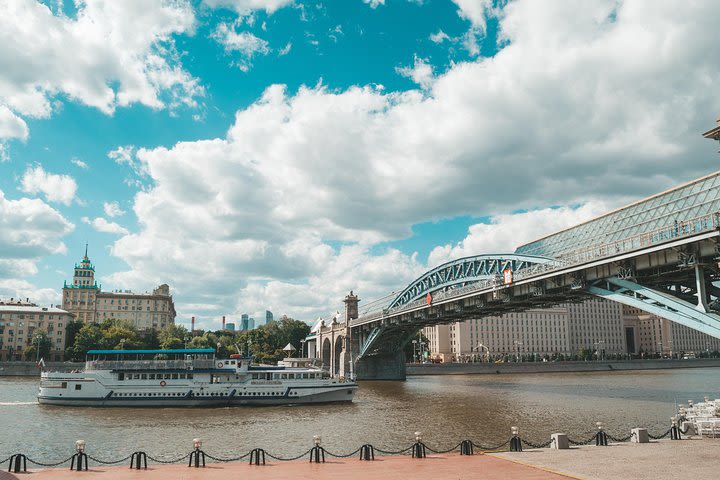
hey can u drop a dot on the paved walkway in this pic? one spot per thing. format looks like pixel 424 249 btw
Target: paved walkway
pixel 453 467
pixel 694 458
pixel 690 458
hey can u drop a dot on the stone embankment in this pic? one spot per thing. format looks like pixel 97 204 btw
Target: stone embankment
pixel 30 369
pixel 548 367
pixel 690 458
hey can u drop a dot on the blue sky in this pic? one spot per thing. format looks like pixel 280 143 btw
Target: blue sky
pixel 277 153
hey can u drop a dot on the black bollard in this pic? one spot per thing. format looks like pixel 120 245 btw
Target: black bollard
pixel 367 452
pixel 466 447
pixel 601 439
pixel 317 454
pixel 82 462
pixel 18 463
pixel 418 450
pixel 515 444
pixel 675 433
pixel 197 456
pixel 257 456
pixel 137 459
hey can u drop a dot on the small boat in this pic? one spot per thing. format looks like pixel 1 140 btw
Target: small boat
pixel 188 378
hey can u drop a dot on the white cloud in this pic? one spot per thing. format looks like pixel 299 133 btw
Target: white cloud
pixel 560 116
pixel 79 163
pixel 102 225
pixel 421 72
pixel 244 6
pixel 285 50
pixel 22 289
pixel 113 209
pixel 56 188
pixel 30 229
pixel 439 37
pixel 245 43
pixel 11 126
pixel 374 3
pixel 506 232
pixel 476 11
pixel 112 54
pixel 4 154
pixel 125 155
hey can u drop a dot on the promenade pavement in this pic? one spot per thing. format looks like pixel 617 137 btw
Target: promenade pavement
pixel 689 458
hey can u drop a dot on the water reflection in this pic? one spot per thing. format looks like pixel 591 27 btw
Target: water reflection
pixel 446 409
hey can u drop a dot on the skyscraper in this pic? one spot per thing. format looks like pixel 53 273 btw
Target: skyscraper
pixel 244 322
pixel 268 316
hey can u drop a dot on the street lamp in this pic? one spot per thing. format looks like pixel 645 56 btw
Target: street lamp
pixel 518 345
pixel 302 348
pixel 37 348
pixel 414 342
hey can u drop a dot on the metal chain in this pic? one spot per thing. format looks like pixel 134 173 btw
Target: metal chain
pixel 399 452
pixel 536 445
pixel 234 459
pixel 444 451
pixel 50 464
pixel 679 429
pixel 7 459
pixel 109 463
pixel 658 437
pixel 586 442
pixel 480 447
pixel 619 439
pixel 158 460
pixel 288 459
pixel 343 456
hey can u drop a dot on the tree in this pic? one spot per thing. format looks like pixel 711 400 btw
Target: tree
pixel 71 329
pixel 87 338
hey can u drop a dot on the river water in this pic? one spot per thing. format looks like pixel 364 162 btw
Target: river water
pixel 447 409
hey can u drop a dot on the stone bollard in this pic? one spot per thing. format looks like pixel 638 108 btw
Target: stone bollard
pixel 639 435
pixel 560 441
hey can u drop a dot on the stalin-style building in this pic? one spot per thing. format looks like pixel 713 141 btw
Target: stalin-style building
pixel 85 299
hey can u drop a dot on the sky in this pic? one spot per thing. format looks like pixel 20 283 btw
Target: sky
pixel 276 154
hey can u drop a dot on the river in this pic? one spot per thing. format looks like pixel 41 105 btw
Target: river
pixel 446 409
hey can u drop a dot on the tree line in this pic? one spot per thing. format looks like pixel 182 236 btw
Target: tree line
pixel 265 342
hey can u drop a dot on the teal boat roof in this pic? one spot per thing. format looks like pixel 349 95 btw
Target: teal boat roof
pixel 179 351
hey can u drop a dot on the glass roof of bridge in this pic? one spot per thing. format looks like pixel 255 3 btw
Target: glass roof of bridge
pixel 684 210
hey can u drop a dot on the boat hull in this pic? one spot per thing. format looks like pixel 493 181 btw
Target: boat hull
pixel 342 393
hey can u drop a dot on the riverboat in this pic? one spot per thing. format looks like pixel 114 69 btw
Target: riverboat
pixel 188 378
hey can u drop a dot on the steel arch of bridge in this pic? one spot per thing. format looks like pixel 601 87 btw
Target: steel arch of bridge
pixel 464 271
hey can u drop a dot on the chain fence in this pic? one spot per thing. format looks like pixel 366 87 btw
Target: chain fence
pixel 658 437
pixel 404 451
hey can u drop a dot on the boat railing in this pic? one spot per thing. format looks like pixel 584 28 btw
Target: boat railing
pixel 197 363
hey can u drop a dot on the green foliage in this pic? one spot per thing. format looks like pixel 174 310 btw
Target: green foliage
pixel 266 342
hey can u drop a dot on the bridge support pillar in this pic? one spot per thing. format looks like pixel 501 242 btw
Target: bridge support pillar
pixel 383 366
pixel 701 292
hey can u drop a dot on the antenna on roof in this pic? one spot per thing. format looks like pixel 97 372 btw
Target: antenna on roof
pixel 86 245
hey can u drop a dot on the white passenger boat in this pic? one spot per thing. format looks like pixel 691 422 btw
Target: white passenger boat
pixel 187 378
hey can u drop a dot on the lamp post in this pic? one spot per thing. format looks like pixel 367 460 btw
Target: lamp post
pixel 302 348
pixel 518 345
pixel 414 342
pixel 37 348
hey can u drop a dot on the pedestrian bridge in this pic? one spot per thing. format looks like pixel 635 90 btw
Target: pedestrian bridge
pixel 659 254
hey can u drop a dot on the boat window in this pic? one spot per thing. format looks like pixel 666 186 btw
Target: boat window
pixel 283 375
pixel 254 376
pixel 167 376
pixel 182 376
pixel 190 376
pixel 63 385
pixel 136 376
pixel 151 376
pixel 232 362
pixel 121 376
pixel 174 376
pixel 291 376
pixel 143 376
pixel 78 386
